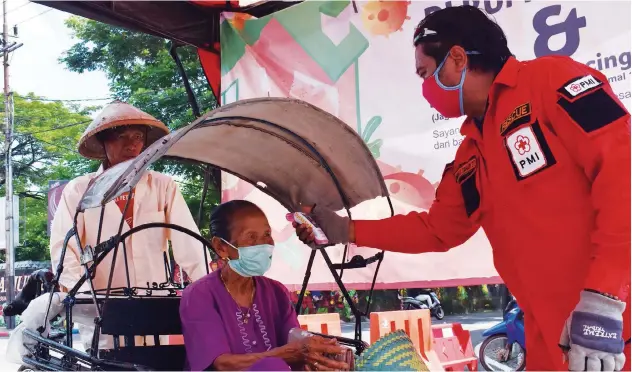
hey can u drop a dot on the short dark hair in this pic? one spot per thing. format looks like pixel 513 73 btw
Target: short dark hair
pixel 222 217
pixel 468 27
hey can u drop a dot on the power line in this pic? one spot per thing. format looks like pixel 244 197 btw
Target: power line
pixel 54 128
pixel 21 6
pixel 44 99
pixel 55 145
pixel 66 100
pixel 35 16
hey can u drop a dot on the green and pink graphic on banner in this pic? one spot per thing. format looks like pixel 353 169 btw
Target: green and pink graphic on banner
pixel 355 60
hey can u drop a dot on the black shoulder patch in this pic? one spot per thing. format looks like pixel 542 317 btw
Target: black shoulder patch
pixel 465 170
pixel 465 177
pixel 589 105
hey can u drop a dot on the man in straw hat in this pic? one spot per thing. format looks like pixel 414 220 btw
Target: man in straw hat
pixel 120 133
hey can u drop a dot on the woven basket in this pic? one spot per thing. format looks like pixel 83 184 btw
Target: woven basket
pixel 392 352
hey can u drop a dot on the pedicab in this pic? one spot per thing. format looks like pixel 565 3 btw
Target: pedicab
pixel 287 148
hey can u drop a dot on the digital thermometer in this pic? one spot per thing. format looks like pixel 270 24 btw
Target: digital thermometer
pixel 300 218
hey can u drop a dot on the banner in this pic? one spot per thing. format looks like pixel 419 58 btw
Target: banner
pixel 55 189
pixel 355 59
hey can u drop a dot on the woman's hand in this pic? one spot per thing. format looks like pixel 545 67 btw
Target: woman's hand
pixel 337 229
pixel 317 348
pixel 310 352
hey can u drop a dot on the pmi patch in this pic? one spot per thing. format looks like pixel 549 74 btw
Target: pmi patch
pixel 520 115
pixel 580 86
pixel 529 151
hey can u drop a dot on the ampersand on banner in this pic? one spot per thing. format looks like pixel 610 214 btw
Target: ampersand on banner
pixel 569 27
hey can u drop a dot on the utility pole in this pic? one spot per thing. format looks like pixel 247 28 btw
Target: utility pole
pixel 9 272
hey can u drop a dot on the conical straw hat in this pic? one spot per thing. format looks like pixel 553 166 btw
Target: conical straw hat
pixel 114 115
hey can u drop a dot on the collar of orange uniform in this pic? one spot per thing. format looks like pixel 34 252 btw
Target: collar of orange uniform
pixel 508 76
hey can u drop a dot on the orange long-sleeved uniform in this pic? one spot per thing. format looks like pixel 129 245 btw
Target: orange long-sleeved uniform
pixel 547 177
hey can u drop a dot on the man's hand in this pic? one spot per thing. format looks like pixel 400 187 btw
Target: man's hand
pixel 334 226
pixel 593 335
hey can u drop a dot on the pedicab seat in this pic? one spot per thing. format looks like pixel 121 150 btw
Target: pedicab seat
pixel 149 317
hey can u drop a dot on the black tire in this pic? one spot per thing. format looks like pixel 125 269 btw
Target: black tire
pixel 408 306
pixel 487 341
pixel 25 369
pixel 439 313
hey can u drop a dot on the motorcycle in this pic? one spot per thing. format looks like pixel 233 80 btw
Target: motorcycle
pixel 421 302
pixel 504 345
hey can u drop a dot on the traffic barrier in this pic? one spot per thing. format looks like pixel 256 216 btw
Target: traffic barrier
pixel 453 345
pixel 327 324
pixel 416 324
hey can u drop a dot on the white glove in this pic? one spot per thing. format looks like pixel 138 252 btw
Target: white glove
pixel 593 334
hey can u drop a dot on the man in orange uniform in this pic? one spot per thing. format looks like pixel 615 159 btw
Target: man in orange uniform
pixel 544 169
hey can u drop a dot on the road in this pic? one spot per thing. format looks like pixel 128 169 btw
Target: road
pixel 475 323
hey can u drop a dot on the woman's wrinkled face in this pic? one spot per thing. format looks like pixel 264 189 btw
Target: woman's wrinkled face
pixel 123 144
pixel 248 227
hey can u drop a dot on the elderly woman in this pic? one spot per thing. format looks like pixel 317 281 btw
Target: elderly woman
pixel 237 319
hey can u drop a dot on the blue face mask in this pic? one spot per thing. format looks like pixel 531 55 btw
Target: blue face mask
pixel 253 261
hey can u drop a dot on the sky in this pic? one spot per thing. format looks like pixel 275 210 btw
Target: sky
pixel 35 68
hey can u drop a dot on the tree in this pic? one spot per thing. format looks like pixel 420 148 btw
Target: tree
pixel 43 149
pixel 142 73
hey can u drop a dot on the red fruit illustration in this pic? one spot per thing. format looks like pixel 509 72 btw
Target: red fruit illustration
pixel 384 17
pixel 411 188
pixel 385 168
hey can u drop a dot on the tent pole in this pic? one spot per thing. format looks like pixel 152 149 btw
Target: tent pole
pixel 187 86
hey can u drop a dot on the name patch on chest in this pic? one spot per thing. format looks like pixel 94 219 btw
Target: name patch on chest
pixel 519 116
pixel 526 151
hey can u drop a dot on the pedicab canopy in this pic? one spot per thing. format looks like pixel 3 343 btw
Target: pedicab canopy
pixel 287 148
pixel 354 60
